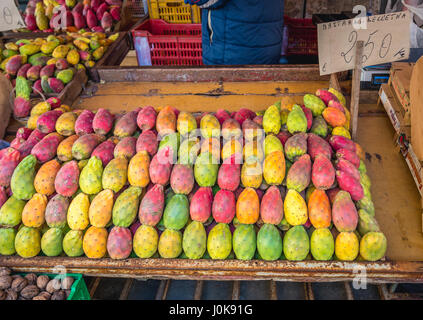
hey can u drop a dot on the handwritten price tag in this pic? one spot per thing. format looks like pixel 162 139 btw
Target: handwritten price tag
pixel 10 17
pixel 386 39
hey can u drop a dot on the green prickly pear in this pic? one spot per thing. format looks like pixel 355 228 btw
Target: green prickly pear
pixel 297 121
pixel 7 241
pixel 205 170
pixel 219 242
pixel 72 243
pixel 244 241
pixel 90 178
pixel 51 242
pixel 194 240
pixel 125 208
pixel 11 212
pixel 269 242
pixel 28 242
pixel 22 183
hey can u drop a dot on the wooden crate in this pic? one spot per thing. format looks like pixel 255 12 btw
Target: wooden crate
pixel 399 81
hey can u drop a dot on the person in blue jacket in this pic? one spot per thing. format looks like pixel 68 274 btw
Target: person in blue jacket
pixel 241 31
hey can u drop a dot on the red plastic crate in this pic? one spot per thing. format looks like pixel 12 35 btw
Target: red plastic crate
pixel 302 37
pixel 170 44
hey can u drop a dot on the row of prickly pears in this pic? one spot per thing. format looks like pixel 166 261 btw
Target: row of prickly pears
pixel 286 183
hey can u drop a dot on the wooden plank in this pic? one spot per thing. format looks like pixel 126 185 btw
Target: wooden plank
pixel 355 92
pixel 235 290
pixel 126 289
pixel 198 290
pixel 416 96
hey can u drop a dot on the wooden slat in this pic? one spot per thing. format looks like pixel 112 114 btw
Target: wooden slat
pixel 235 290
pixel 126 289
pixel 355 91
pixel 198 290
pixel 94 286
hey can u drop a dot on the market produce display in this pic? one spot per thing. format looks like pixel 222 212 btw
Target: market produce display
pixel 72 15
pixel 33 287
pixel 285 183
pixel 44 66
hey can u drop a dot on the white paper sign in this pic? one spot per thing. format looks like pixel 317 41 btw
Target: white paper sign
pixel 386 39
pixel 10 17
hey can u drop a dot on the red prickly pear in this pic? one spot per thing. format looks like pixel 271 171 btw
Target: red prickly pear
pixel 317 145
pixel 33 139
pixel 23 133
pixel 336 105
pixel 224 204
pixel 271 208
pixel 126 125
pixel 244 114
pixel 78 8
pixel 344 213
pixel 78 20
pixel 56 85
pixel 67 179
pixel 8 163
pixel 31 22
pixel 91 19
pixel 126 148
pixel 349 155
pixel 332 194
pixel 84 123
pixel 104 151
pixel 85 10
pixel 103 121
pixel 21 107
pixel 146 118
pixel 54 102
pixel 152 205
pixel 46 123
pixel 37 88
pixel 62 64
pixel 147 141
pixel 229 174
pixel 16 143
pixel 348 168
pixel 161 166
pixel 326 96
pixel 299 174
pixel 323 173
pixel 182 179
pixel 115 13
pixel 309 116
pixel 33 73
pixel 3 196
pixel 45 150
pixel 114 2
pixel 83 147
pixel 13 65
pixel 101 10
pixel 119 243
pixel 95 4
pixel 349 184
pixel 97 29
pixel 340 142
pixel 47 71
pixel 22 72
pixel 283 136
pixel 222 115
pixel 201 204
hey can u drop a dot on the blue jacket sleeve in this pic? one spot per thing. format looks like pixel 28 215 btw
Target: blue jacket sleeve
pixel 207 4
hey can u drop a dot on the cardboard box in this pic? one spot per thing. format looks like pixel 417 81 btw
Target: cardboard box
pixel 400 82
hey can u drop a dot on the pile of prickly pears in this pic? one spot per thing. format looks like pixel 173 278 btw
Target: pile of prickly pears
pixel 286 183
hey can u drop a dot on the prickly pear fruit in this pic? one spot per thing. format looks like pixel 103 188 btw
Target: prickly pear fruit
pixel 373 246
pixel 125 208
pixel 22 182
pixel 175 215
pixel 248 206
pixel 51 242
pixel 317 145
pixel 244 242
pixel 274 168
pixel 347 167
pixel 334 117
pixel 147 141
pixel 146 118
pixel 296 244
pixel 11 212
pixel 366 223
pixel 100 211
pixel 319 209
pixel 56 211
pixel 28 242
pixel 229 175
pixel 295 208
pixel 126 148
pixel 201 204
pixel 210 126
pixel 102 122
pixel 186 123
pixel 349 155
pixel 72 243
pixel 46 122
pixel 194 240
pixel 8 163
pixel 297 121
pixel 299 174
pixel 151 207
pixel 322 245
pixel 90 178
pixel 138 169
pixel 182 179
pixel 326 96
pixel 344 213
pixel 84 123
pixel 296 146
pixel 84 145
pixel 95 242
pixel 166 121
pixel 219 242
pixel 33 214
pixel 205 170
pixel 145 241
pixel 126 125
pixel 272 120
pixel 347 246
pixel 269 242
pixel 65 124
pixel 350 184
pixel 21 107
pixel 161 166
pixel 322 173
pixel 224 206
pixel 78 212
pixel 119 243
pixel 104 151
pixel 115 173
pixel 271 144
pixel 315 104
pixel 271 208
pixel 231 129
pixel 170 244
pixel 67 179
pixel 46 149
pixel 339 142
pixel 7 241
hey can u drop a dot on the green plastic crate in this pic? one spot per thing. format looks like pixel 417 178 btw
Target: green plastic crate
pixel 79 289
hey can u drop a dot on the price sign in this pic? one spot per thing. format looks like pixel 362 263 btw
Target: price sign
pixel 10 17
pixel 386 38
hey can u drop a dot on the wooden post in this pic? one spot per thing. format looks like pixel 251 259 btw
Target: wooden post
pixel 334 82
pixel 355 91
